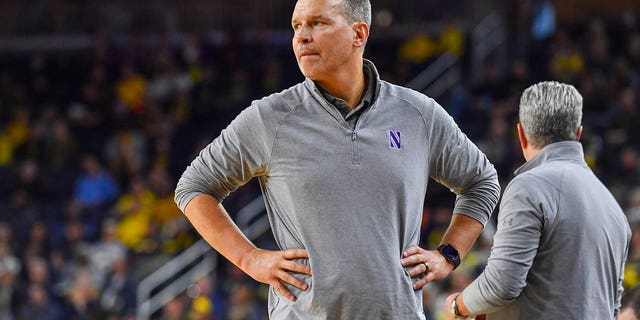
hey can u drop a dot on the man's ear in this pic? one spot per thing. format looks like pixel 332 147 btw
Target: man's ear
pixel 523 138
pixel 579 133
pixel 361 34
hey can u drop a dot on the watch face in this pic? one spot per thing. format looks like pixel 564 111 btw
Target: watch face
pixel 449 251
pixel 451 254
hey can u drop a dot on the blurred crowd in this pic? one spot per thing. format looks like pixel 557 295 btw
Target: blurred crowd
pixel 93 141
pixel 601 58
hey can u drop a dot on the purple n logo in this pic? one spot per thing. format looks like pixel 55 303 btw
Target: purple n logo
pixel 394 140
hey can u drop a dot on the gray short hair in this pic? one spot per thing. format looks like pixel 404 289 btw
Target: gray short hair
pixel 550 112
pixel 357 11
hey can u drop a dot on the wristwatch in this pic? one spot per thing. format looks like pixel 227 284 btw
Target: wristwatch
pixel 450 253
pixel 453 308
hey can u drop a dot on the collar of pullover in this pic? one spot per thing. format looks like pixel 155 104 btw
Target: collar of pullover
pixel 372 75
pixel 365 101
pixel 564 150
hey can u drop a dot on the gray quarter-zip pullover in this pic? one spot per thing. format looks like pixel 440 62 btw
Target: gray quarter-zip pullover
pixel 351 196
pixel 560 247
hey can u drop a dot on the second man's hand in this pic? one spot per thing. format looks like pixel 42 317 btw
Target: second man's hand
pixel 438 268
pixel 274 267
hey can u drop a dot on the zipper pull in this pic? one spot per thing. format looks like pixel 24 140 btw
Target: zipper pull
pixel 354 136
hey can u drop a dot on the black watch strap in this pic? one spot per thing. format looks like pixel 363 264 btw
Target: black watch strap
pixel 450 254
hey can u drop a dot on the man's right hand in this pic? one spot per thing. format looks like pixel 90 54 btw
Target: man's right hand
pixel 213 222
pixel 274 267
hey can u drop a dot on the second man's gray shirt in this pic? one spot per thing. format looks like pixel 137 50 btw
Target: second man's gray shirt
pixel 351 196
pixel 560 247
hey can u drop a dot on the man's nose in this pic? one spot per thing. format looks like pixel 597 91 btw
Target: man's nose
pixel 303 35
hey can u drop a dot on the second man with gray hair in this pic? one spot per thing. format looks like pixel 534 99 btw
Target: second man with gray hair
pixel 562 239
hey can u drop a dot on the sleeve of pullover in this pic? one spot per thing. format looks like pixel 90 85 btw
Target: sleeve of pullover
pixel 231 160
pixel 515 245
pixel 618 302
pixel 458 164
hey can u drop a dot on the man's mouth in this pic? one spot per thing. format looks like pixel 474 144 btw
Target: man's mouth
pixel 305 53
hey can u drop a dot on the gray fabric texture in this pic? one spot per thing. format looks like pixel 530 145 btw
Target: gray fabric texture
pixel 352 197
pixel 560 246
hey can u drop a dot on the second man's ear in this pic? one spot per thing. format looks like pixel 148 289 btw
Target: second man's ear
pixel 523 138
pixel 579 133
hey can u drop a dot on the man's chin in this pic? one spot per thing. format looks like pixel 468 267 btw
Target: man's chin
pixel 308 73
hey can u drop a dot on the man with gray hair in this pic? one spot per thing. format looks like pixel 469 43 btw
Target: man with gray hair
pixel 343 159
pixel 562 239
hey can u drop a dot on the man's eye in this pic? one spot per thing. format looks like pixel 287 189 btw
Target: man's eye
pixel 317 23
pixel 296 26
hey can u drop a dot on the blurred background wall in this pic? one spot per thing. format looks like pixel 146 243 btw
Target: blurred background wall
pixel 104 103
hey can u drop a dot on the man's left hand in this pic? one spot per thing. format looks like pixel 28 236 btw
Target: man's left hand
pixel 430 263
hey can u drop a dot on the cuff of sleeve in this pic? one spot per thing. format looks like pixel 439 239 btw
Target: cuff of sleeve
pixel 473 300
pixel 471 211
pixel 183 200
